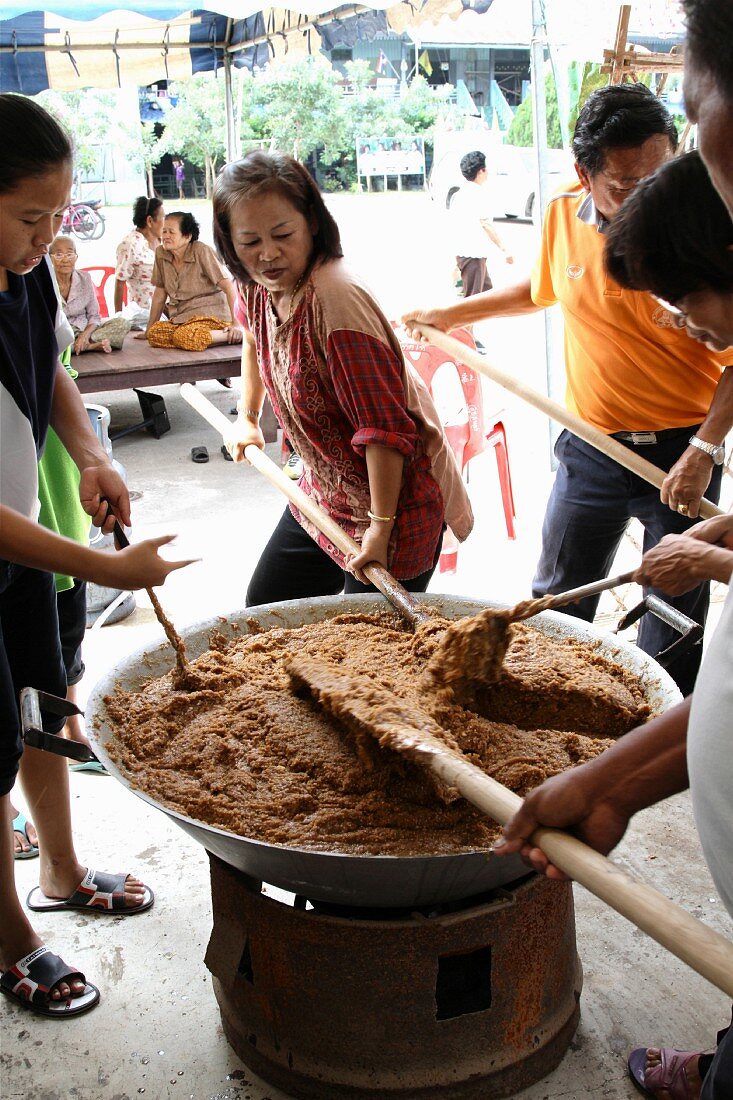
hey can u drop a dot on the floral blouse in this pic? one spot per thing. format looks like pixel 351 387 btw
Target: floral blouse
pixel 135 260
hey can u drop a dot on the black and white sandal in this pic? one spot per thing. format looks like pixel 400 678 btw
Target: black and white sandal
pixel 30 981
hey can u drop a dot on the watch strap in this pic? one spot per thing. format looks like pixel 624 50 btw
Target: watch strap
pixel 716 451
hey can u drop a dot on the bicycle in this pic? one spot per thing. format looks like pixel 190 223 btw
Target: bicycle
pixel 84 220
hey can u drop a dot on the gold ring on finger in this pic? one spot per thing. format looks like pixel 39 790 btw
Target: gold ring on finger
pixel 683 509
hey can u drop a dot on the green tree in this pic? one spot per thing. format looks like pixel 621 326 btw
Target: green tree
pixel 302 108
pixel 521 131
pixel 370 115
pixel 196 127
pixel 421 105
pixel 90 116
pixel 366 112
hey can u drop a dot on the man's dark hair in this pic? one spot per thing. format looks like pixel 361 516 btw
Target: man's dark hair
pixel 33 141
pixel 710 40
pixel 144 208
pixel 673 234
pixel 620 116
pixel 472 164
pixel 187 224
pixel 260 173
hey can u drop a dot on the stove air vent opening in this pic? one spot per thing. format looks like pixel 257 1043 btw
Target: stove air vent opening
pixel 245 963
pixel 463 984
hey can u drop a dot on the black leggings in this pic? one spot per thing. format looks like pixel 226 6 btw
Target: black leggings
pixel 293 567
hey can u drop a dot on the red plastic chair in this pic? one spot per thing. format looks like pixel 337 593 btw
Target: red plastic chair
pixel 99 287
pixel 467 433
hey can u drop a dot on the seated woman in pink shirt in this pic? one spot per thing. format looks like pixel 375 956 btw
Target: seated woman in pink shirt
pixel 79 300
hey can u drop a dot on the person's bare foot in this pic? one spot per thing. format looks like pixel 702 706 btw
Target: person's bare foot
pixel 23 841
pixel 20 946
pixel 58 884
pixel 694 1081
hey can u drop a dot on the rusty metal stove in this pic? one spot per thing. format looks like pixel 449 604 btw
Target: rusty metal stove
pixel 473 999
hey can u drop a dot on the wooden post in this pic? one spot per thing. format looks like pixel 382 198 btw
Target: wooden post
pixel 619 49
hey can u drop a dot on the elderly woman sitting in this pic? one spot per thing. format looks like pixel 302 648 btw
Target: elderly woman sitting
pixel 79 301
pixel 193 289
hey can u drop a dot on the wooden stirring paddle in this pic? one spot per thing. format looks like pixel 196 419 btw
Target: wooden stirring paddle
pixel 182 670
pixel 402 600
pixel 471 651
pixel 368 710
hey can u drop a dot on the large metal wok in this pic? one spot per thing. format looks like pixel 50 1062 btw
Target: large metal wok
pixel 355 880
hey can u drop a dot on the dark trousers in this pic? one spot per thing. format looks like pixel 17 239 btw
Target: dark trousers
pixel 591 503
pixel 72 611
pixel 474 276
pixel 30 656
pixel 718 1078
pixel 293 567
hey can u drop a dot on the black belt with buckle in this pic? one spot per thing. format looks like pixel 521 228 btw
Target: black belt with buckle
pixel 647 439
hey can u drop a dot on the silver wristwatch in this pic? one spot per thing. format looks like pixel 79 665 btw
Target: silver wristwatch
pixel 716 451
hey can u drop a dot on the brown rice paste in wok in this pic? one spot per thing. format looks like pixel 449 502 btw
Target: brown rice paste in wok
pixel 243 753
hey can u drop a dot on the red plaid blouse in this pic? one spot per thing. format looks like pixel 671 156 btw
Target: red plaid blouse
pixel 338 383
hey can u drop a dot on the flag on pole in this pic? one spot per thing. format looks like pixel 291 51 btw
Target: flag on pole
pixel 382 62
pixel 424 63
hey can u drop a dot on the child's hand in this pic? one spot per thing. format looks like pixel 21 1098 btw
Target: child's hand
pixel 141 566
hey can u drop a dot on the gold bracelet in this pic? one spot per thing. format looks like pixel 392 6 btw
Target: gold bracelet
pixel 381 519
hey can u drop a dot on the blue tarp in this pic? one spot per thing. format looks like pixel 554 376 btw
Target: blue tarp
pixel 198 38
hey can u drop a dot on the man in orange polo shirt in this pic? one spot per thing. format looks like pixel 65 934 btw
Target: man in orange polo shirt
pixel 630 371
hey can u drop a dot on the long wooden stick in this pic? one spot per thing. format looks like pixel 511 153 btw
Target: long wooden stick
pixel 366 707
pixel 605 443
pixel 705 950
pixel 388 585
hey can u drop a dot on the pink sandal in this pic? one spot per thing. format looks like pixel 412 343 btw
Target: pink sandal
pixel 669 1074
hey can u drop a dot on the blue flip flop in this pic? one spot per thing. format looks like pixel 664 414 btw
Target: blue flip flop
pixel 20 825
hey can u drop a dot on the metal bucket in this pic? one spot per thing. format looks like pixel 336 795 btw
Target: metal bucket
pixel 357 880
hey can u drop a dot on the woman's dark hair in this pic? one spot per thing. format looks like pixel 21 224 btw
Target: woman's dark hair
pixel 673 234
pixel 33 141
pixel 620 116
pixel 187 224
pixel 260 173
pixel 143 209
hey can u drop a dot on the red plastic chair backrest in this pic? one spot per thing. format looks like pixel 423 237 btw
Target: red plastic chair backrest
pixel 100 284
pixel 467 439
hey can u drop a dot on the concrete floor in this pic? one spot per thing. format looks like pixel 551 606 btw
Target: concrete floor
pixel 157 1032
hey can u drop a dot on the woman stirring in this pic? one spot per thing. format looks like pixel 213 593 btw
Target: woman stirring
pixel 375 457
pixel 136 255
pixel 192 288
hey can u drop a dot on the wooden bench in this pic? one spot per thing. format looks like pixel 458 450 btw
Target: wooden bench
pixel 137 364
